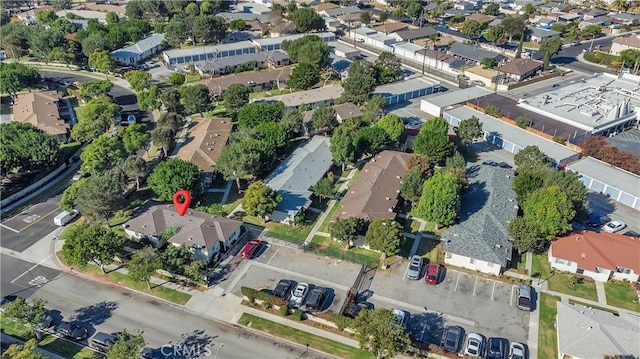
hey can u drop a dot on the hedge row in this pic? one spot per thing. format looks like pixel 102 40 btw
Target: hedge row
pixel 254 294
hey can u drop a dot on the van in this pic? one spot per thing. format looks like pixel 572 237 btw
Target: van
pixel 65 217
pixel 102 341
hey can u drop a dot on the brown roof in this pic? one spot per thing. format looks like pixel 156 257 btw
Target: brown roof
pixel 390 27
pixel 195 227
pixel 520 66
pixel 205 142
pixel 631 41
pixel 218 85
pixel 40 109
pixel 605 250
pixel 480 17
pixel 439 55
pixel 374 194
pixel 325 6
pixel 347 110
pixel 257 25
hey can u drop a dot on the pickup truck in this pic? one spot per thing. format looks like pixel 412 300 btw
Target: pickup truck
pixel 524 298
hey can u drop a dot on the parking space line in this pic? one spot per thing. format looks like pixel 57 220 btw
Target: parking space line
pixel 455 289
pixel 474 287
pixel 9 228
pixel 493 290
pixel 274 254
pixel 511 298
pixel 297 274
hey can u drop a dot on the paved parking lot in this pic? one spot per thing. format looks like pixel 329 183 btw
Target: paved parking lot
pixel 31 225
pixel 475 303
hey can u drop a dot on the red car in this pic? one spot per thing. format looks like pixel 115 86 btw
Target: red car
pixel 250 248
pixel 433 274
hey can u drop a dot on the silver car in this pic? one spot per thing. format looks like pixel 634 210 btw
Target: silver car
pixel 614 226
pixel 299 295
pixel 415 268
pixel 517 351
pixel 475 345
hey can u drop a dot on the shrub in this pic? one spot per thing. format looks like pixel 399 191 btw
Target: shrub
pixel 560 140
pixel 278 301
pixel 250 293
pixel 297 315
pixel 493 110
pixel 522 121
pixel 284 310
pixel 340 320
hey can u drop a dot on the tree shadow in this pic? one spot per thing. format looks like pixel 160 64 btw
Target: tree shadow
pixel 426 327
pixel 95 314
pixel 196 344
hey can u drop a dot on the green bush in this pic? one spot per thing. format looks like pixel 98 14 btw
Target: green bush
pixel 297 315
pixel 493 110
pixel 249 293
pixel 267 299
pixel 284 310
pixel 560 140
pixel 340 320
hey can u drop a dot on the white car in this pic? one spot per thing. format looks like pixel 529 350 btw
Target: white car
pixel 614 226
pixel 517 351
pixel 299 295
pixel 401 317
pixel 475 345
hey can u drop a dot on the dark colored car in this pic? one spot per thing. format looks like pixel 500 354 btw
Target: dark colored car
pixel 597 220
pixel 452 338
pixel 433 274
pixel 102 341
pixel 250 248
pixel 316 299
pixel 524 298
pixel 283 288
pixel 496 349
pixel 490 163
pixel 504 165
pixel 354 308
pixel 71 330
pixel 631 234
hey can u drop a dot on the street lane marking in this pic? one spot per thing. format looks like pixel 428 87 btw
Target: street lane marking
pixel 493 290
pixel 9 228
pixel 29 270
pixel 474 287
pixel 455 289
pixel 38 220
pixel 38 281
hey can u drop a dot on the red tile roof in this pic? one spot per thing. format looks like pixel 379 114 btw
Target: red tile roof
pixel 604 250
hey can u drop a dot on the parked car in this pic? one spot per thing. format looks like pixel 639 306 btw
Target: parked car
pixel 475 345
pixel 413 125
pixel 478 83
pixel 283 288
pixel 402 317
pixel 496 349
pixel 433 274
pixel 102 341
pixel 575 43
pixel 490 163
pixel 452 338
pixel 415 268
pixel 524 298
pixel 360 40
pixel 6 300
pixel 299 295
pixel 46 322
pixel 517 351
pixel 316 299
pixel 597 219
pixel 71 330
pixel 76 177
pixel 504 165
pixel 614 226
pixel 354 308
pixel 631 234
pixel 250 248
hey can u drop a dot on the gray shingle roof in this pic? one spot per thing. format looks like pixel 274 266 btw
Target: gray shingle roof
pixel 473 53
pixel 142 46
pixel 488 204
pixel 294 177
pixel 421 33
pixel 606 173
pixel 543 33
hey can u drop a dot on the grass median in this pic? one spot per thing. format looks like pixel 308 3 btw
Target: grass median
pixel 303 338
pixel 547 337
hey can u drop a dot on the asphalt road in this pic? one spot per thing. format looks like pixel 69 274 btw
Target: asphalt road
pixel 102 308
pixel 122 96
pixel 31 225
pixel 568 56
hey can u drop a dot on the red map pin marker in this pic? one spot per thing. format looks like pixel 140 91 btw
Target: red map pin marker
pixel 183 206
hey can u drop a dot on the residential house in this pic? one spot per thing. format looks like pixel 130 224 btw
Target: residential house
pixel 295 176
pixel 332 23
pixel 593 13
pixel 350 20
pixel 466 5
pixel 568 17
pixel 374 193
pixel 390 27
pixel 347 110
pixel 544 23
pixel 520 4
pixel 553 7
pixel 481 18
pixel 602 21
pixel 246 16
pixel 624 18
pixel 79 24
pixel 335 12
pixel 325 6
pixel 598 255
pixel 40 109
pixel 415 34
pixel 204 144
pixel 101 16
pixel 472 54
pixel 251 61
pixel 313 98
pixel 480 240
pixel 520 69
pixel 140 51
pixel 204 234
pixel 622 43
pixel 536 35
pixel 263 80
pixel 585 332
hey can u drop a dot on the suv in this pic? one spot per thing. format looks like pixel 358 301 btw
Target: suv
pixel 102 341
pixel 524 298
pixel 415 268
pixel 283 288
pixel 71 330
pixel 452 338
pixel 496 349
pixel 316 299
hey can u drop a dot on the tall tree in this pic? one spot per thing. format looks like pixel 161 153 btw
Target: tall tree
pixel 384 235
pixel 97 116
pixel 304 76
pixel 388 67
pixel 101 61
pixel 308 49
pixel 440 199
pixel 494 33
pixel 26 148
pixel 525 235
pixel 531 157
pixel 324 188
pixel 24 351
pixel 95 88
pixel 345 230
pixel 370 140
pixel 128 345
pixel 173 175
pixel 258 112
pixel 98 198
pixel 513 25
pixel 138 80
pixel 171 120
pixel 67 202
pixel 435 145
pixel 196 98
pixel 422 164
pixel 324 119
pixel 411 186
pixel 170 98
pixel 135 167
pixel 472 28
pixel 101 154
pixel 360 83
pixel 134 136
pixel 569 183
pixel 143 264
pixel 550 210
pixel 27 314
pixel 148 100
pixel 208 29
pixel 377 332
pixel 492 9
pixel 307 19
pixel 239 161
pixel 392 124
pixel 236 96
pixel 549 47
pixel 372 109
pixel 163 137
pixel 469 129
pixel 260 200
pixel 292 120
pixel 341 145
pixel 15 76
pixel 86 243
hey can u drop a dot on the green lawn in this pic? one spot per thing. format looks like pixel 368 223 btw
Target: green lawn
pixel 540 266
pixel 193 78
pixel 279 230
pixel 622 295
pixel 430 249
pixel 547 337
pixel 320 239
pixel 313 341
pixel 409 225
pixel 561 282
pixel 49 342
pixel 518 262
pixel 324 227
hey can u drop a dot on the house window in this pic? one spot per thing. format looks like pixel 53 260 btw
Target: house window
pixel 472 261
pixel 562 261
pixel 599 270
pixel 623 270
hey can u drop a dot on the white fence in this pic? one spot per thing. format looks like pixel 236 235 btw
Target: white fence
pixel 18 195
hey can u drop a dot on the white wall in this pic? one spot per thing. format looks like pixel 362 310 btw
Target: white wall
pixel 465 262
pixel 631 277
pixel 601 277
pixel 430 108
